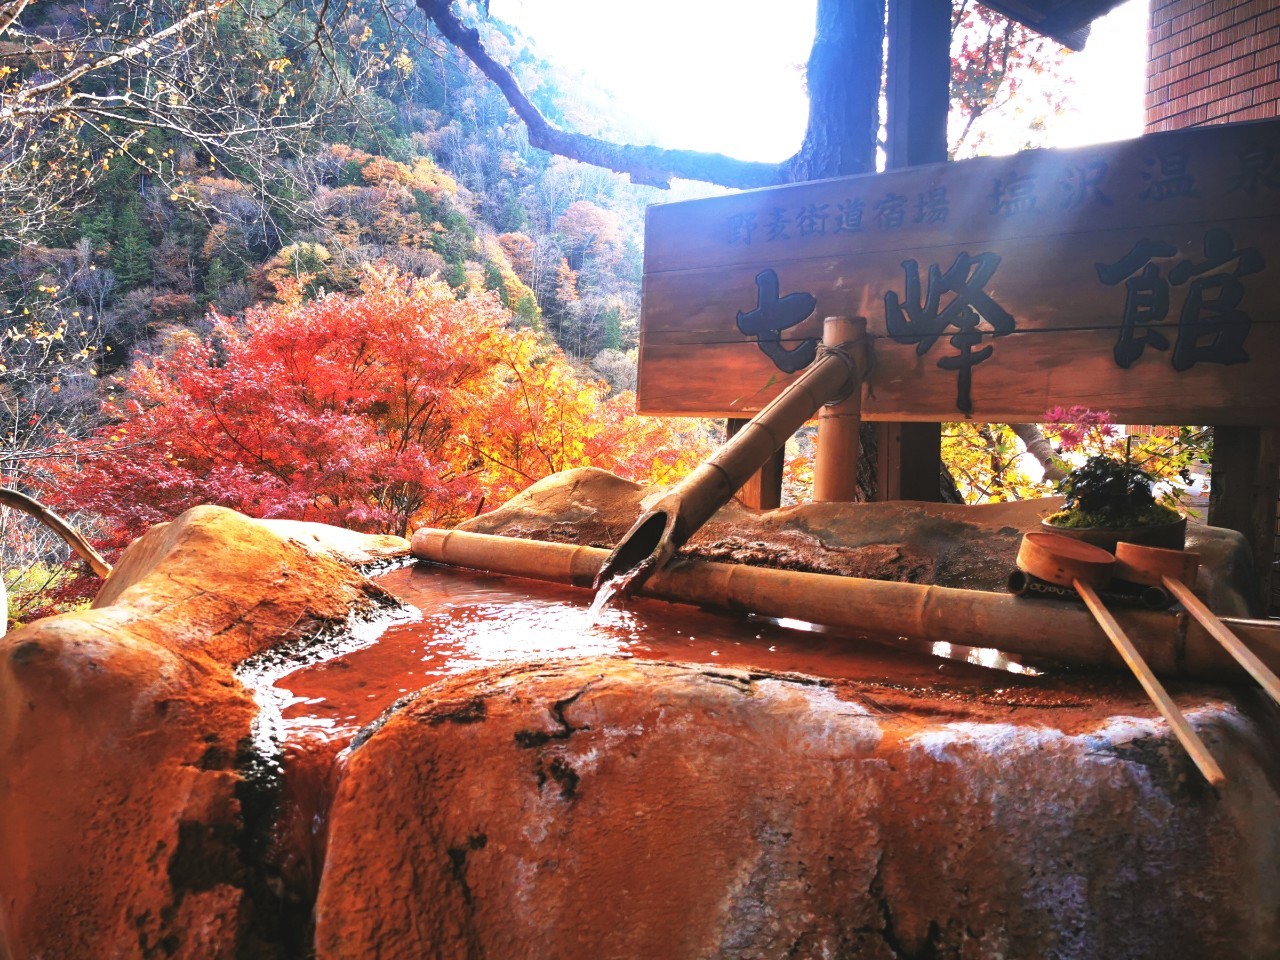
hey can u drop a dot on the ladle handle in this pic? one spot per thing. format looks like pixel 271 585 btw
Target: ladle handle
pixel 1159 696
pixel 1219 631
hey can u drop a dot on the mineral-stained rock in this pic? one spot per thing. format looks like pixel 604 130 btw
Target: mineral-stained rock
pixel 120 817
pixel 950 545
pixel 599 808
pixel 619 810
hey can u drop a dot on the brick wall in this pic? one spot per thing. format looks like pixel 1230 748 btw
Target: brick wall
pixel 1212 61
pixel 1215 61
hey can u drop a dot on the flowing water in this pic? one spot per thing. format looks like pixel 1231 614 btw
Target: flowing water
pixel 615 586
pixel 454 621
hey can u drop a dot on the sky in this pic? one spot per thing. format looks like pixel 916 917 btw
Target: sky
pixel 729 78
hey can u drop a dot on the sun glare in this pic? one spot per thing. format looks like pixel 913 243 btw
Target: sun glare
pixel 728 77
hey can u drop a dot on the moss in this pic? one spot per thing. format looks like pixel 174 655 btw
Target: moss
pixel 1146 516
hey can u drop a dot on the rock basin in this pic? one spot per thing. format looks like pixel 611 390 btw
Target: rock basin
pixel 603 807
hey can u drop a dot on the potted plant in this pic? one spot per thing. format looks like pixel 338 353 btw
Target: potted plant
pixel 1109 501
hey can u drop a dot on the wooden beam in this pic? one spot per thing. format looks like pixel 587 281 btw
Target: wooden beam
pixel 1243 493
pixel 764 490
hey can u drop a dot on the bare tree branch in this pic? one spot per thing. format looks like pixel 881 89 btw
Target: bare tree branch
pixel 15 108
pixel 9 12
pixel 73 538
pixel 1040 448
pixel 654 166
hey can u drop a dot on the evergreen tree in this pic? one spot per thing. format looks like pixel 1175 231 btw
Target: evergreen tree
pixel 131 249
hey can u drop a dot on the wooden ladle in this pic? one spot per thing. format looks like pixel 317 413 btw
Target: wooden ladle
pixel 1085 568
pixel 1175 570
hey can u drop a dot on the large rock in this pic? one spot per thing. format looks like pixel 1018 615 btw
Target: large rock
pixel 599 808
pixel 608 810
pixel 950 545
pixel 121 826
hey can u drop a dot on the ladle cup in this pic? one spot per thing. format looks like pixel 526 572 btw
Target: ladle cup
pixel 1084 568
pixel 1175 570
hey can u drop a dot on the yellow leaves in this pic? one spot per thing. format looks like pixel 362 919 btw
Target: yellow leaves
pixel 403 64
pixel 279 65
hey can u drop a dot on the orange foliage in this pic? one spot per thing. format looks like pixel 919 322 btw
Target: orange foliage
pixel 422 174
pixel 589 231
pixel 398 407
pixel 519 248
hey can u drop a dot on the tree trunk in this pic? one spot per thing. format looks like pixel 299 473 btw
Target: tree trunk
pixel 1039 447
pixel 844 91
pixel 844 118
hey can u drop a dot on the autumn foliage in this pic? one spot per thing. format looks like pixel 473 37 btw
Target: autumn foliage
pixel 397 407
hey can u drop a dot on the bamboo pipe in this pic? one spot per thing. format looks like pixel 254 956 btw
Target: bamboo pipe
pixel 666 526
pixel 835 473
pixel 1173 569
pixel 1172 644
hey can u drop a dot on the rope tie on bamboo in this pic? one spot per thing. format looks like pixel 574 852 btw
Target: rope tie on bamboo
pixel 845 351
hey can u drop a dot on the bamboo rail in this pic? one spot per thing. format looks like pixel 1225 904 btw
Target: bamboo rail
pixel 1174 644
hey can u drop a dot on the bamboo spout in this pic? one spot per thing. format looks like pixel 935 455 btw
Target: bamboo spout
pixel 666 526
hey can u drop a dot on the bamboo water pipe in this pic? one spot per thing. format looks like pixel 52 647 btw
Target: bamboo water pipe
pixel 834 377
pixel 1173 644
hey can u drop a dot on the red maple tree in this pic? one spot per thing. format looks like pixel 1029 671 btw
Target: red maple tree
pixel 394 408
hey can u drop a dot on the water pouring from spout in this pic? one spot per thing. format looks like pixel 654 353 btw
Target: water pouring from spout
pixel 834 377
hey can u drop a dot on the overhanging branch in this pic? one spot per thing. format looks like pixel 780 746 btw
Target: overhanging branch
pixel 9 12
pixel 655 166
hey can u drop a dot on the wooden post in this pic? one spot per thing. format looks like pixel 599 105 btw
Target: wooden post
pixel 918 90
pixel 918 97
pixel 835 474
pixel 763 491
pixel 1243 493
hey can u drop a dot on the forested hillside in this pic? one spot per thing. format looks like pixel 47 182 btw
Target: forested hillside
pixel 349 180
pixel 398 153
pixel 300 259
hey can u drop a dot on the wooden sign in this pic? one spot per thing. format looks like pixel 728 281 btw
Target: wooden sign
pixel 1141 277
